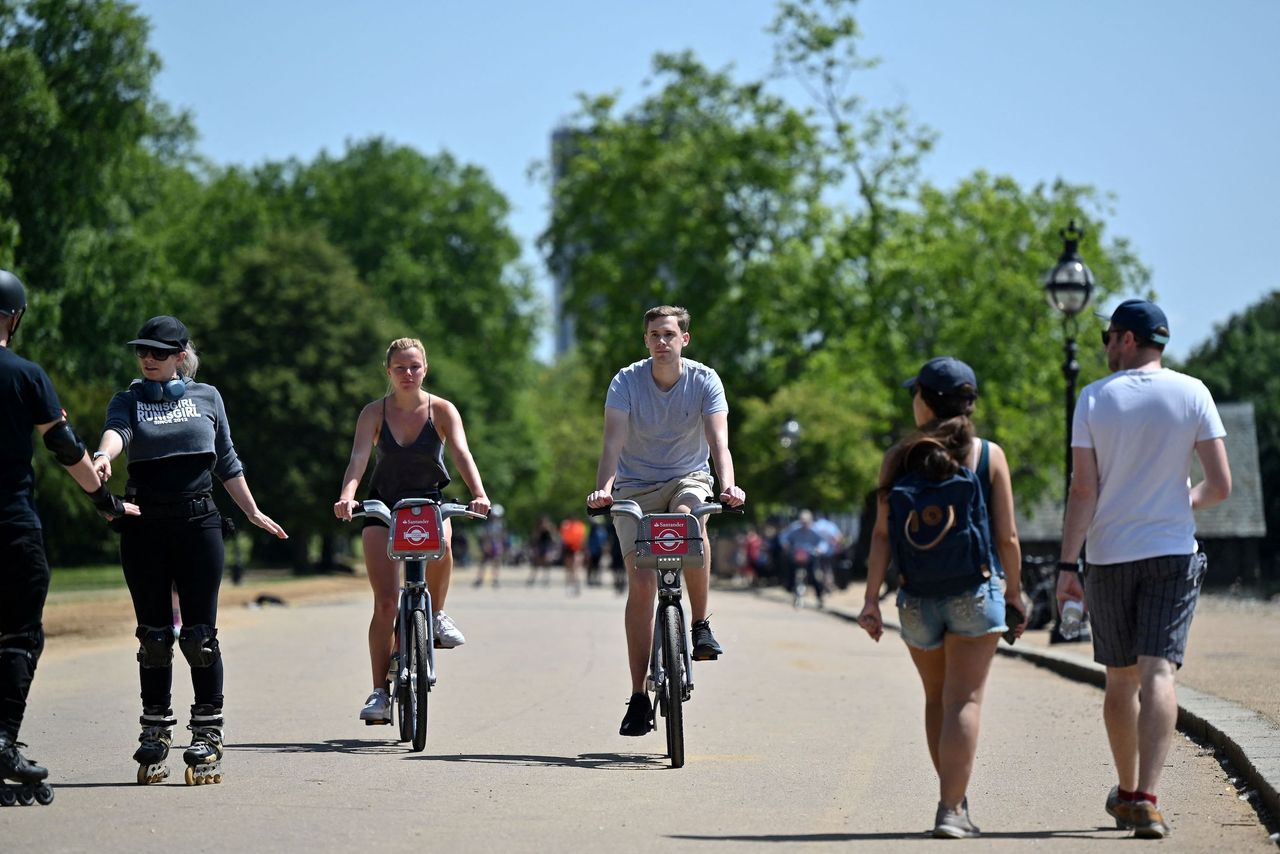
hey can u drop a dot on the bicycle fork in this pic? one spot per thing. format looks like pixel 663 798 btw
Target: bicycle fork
pixel 661 671
pixel 414 597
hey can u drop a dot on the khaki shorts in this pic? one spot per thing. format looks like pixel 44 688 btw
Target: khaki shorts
pixel 659 498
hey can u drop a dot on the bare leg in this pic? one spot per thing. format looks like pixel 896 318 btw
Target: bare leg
pixel 1120 710
pixel 440 571
pixel 697 581
pixel 384 579
pixel 1156 719
pixel 968 664
pixel 641 595
pixel 931 664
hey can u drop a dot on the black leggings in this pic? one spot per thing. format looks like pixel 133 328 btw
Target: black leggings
pixel 24 584
pixel 156 555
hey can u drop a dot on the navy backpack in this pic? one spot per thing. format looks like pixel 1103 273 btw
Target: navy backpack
pixel 939 533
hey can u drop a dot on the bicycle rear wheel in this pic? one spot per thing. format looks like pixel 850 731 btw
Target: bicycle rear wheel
pixel 673 688
pixel 419 678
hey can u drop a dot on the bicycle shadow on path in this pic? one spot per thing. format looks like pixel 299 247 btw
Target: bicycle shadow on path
pixel 355 746
pixel 590 761
pixel 1099 834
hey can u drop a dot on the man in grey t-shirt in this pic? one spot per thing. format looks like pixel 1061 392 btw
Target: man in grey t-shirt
pixel 664 416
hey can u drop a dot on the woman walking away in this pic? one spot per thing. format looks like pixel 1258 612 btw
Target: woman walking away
pixel 175 430
pixel 408 430
pixel 959 565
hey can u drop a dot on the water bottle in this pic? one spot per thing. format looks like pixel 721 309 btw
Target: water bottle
pixel 1069 620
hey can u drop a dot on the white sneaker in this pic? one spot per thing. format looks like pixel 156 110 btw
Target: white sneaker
pixel 377 709
pixel 447 634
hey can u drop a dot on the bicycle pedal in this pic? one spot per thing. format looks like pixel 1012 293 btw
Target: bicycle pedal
pixel 705 656
pixel 386 722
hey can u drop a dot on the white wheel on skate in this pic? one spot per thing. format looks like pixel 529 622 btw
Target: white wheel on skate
pixel 8 797
pixel 44 794
pixel 152 774
pixel 27 796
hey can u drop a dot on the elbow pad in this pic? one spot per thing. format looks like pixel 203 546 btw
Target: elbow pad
pixel 67 447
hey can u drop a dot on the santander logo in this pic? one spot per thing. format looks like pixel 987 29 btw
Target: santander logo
pixel 669 535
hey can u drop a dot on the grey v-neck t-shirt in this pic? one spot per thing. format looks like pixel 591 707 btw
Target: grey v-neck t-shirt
pixel 665 435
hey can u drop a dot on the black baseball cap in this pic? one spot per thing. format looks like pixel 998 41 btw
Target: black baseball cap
pixel 946 375
pixel 162 331
pixel 1143 318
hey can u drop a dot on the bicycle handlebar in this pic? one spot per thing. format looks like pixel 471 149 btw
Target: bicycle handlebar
pixel 627 507
pixel 380 511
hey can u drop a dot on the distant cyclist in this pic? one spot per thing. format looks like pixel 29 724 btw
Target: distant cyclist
pixel 664 416
pixel 28 402
pixel 178 440
pixel 407 431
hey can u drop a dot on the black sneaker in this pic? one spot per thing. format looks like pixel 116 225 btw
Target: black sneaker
pixel 705 647
pixel 639 717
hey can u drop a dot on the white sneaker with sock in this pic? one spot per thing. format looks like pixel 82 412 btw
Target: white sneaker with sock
pixel 447 634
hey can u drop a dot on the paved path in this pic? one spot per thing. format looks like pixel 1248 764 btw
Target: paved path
pixel 805 733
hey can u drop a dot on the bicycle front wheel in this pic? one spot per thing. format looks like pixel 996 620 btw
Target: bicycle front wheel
pixel 419 678
pixel 673 689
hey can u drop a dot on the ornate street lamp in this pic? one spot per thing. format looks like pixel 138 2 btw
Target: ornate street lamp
pixel 1068 288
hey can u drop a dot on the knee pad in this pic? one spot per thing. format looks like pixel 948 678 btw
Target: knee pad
pixel 155 647
pixel 28 644
pixel 200 645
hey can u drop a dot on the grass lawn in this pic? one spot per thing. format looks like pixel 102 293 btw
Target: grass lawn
pixel 97 577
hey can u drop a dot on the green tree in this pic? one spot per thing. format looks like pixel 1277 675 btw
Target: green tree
pixel 292 340
pixel 705 195
pixel 1238 363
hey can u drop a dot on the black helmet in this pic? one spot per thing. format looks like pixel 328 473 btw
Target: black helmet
pixel 13 296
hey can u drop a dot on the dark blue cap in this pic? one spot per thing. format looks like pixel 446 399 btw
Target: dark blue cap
pixel 1143 318
pixel 946 375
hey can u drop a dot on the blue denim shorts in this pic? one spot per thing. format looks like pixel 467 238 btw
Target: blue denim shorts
pixel 972 614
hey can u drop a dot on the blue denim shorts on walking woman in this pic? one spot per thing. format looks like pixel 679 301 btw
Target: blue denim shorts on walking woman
pixel 972 614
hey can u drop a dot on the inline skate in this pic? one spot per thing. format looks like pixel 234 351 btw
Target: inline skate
pixel 29 777
pixel 204 756
pixel 155 739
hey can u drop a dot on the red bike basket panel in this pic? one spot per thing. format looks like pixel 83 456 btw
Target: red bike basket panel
pixel 416 530
pixel 670 534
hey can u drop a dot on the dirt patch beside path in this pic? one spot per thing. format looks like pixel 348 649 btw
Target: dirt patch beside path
pixel 96 614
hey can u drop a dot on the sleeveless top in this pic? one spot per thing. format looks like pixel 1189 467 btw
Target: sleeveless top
pixel 983 471
pixel 415 470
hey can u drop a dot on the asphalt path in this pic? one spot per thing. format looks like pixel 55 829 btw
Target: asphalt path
pixel 805 735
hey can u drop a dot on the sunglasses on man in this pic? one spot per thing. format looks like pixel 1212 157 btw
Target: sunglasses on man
pixel 156 353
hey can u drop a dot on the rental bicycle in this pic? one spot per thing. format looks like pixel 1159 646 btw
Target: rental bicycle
pixel 668 543
pixel 417 536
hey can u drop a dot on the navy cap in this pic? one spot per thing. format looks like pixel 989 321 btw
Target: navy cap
pixel 162 331
pixel 1143 318
pixel 945 375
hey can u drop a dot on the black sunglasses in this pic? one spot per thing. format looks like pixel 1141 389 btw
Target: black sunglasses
pixel 157 353
pixel 1107 333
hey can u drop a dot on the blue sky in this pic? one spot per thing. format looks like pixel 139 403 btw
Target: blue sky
pixel 1172 106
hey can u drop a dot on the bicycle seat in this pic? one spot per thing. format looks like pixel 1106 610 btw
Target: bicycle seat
pixel 416 530
pixel 668 541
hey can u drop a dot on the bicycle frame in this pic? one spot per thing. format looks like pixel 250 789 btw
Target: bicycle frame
pixel 417 536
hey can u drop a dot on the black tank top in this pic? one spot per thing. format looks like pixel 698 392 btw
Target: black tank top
pixel 415 470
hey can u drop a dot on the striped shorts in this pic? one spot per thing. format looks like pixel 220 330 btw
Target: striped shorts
pixel 1143 607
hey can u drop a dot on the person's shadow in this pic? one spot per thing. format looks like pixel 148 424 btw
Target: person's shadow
pixel 1082 833
pixel 590 761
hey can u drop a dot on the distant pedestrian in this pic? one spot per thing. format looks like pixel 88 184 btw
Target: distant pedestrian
pixel 950 628
pixel 1134 434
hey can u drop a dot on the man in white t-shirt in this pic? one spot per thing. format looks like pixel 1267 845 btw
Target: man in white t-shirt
pixel 664 416
pixel 1132 441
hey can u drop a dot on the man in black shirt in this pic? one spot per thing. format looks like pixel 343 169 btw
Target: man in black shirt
pixel 27 400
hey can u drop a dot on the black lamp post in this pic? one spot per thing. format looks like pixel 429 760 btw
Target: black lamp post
pixel 789 439
pixel 1068 287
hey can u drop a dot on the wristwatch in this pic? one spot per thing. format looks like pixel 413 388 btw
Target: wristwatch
pixel 1069 566
pixel 97 454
